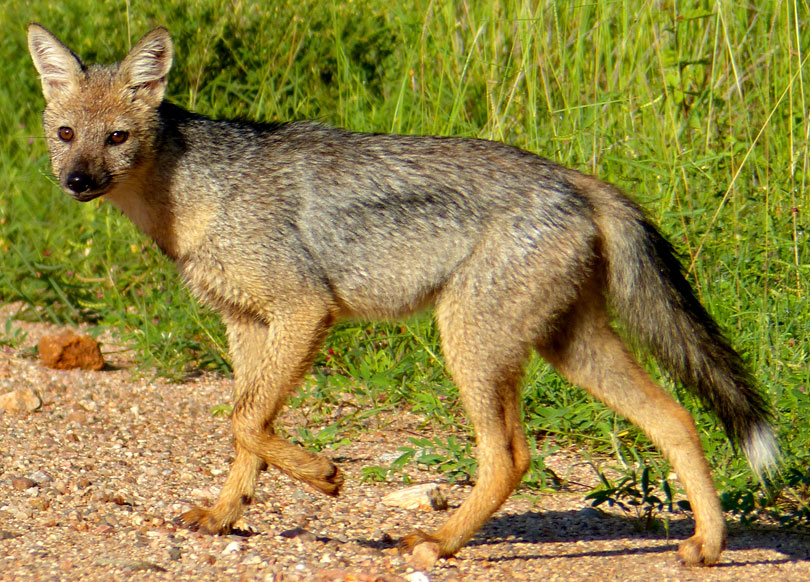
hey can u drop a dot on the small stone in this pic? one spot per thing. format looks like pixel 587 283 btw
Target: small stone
pixel 119 498
pixel 428 496
pixel 232 548
pixel 590 513
pixel 7 535
pixel 22 483
pixel 78 416
pixel 88 404
pixel 67 350
pixel 41 477
pixel 174 553
pixel 21 400
pixel 252 559
pixel 144 565
pixel 39 503
pixel 298 533
pixel 423 557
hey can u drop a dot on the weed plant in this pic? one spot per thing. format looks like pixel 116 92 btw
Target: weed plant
pixel 700 112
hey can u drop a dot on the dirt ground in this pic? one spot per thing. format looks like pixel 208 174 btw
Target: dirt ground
pixel 91 481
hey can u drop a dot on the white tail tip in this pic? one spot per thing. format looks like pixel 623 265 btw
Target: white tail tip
pixel 761 450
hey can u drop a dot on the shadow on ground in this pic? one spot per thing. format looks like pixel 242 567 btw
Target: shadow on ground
pixel 549 527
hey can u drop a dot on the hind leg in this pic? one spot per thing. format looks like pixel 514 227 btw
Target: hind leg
pixel 489 314
pixel 487 318
pixel 590 354
pixel 488 380
pixel 269 361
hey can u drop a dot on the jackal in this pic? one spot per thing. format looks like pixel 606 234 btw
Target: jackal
pixel 284 228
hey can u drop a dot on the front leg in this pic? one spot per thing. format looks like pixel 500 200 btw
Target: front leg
pixel 237 492
pixel 270 359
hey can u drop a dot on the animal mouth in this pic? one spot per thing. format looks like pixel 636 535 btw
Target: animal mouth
pixel 87 196
pixel 84 187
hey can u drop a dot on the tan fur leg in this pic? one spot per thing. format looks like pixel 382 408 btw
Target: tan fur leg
pixel 489 313
pixel 503 457
pixel 589 353
pixel 269 361
pixel 488 377
pixel 238 491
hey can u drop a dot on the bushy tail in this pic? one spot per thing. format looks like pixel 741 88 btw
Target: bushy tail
pixel 648 291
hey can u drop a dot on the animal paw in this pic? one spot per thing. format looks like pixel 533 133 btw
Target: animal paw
pixel 423 549
pixel 700 550
pixel 203 520
pixel 328 481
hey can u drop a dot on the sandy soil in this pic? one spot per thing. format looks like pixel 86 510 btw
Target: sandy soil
pixel 91 481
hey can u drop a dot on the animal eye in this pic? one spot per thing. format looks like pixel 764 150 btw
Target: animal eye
pixel 65 133
pixel 117 137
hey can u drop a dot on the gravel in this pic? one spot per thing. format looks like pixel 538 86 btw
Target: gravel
pixel 91 481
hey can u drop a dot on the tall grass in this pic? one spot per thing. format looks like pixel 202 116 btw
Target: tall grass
pixel 699 112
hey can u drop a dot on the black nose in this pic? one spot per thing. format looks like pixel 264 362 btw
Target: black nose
pixel 80 182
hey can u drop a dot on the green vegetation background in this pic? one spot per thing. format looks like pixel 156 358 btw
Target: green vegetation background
pixel 697 109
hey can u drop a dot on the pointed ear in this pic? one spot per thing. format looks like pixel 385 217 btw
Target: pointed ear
pixel 144 70
pixel 59 69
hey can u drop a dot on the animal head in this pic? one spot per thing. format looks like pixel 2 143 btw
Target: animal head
pixel 100 122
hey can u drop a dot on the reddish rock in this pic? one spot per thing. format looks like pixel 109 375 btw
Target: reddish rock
pixel 68 350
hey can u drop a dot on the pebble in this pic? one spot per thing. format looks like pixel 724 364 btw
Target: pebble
pixel 77 416
pixel 424 555
pixel 7 535
pixel 39 503
pixel 590 513
pixel 21 400
pixel 41 477
pixel 23 483
pixel 252 559
pixel 427 496
pixel 298 533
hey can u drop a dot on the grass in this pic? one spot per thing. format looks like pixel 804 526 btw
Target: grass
pixel 700 114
